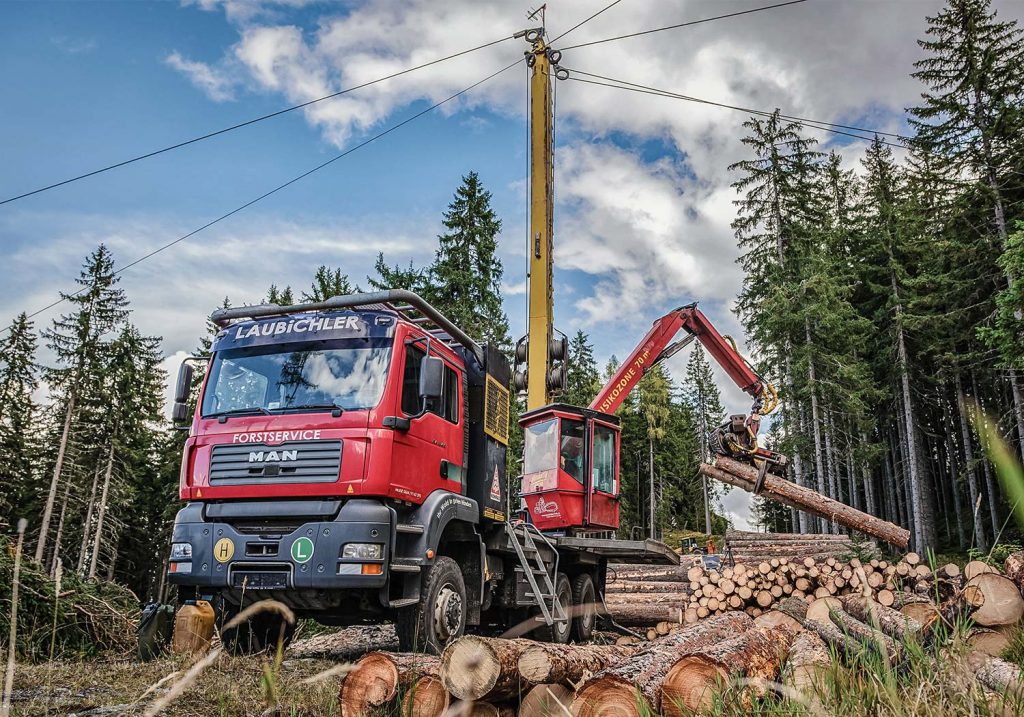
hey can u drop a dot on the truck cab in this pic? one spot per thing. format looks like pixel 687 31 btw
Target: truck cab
pixel 335 454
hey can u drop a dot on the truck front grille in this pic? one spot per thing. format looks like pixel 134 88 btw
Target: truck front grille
pixel 297 462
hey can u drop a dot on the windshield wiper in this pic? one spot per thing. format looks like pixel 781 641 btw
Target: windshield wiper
pixel 311 407
pixel 247 411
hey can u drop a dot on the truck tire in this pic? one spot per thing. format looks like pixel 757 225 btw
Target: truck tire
pixel 584 601
pixel 559 632
pixel 260 634
pixel 440 616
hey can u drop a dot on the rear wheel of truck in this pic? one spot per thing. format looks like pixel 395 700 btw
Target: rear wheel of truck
pixel 259 634
pixel 440 616
pixel 584 601
pixel 559 631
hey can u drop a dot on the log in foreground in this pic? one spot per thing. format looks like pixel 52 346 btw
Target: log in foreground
pixel 756 656
pixel 997 598
pixel 632 687
pixel 744 476
pixel 484 668
pixel 808 663
pixel 377 676
pixel 568 664
pixel 545 701
pixel 426 697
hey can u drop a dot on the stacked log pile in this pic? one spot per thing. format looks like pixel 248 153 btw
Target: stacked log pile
pixel 791 641
pixel 660 599
pixel 753 548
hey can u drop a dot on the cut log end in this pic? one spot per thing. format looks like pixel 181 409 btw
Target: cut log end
pixel 691 686
pixel 426 698
pixel 471 667
pixel 371 684
pixel 609 697
pixel 543 701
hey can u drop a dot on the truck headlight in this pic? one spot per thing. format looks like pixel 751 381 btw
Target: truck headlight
pixel 363 551
pixel 181 551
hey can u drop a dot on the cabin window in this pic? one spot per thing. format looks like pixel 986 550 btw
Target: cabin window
pixel 604 459
pixel 540 448
pixel 450 400
pixel 572 458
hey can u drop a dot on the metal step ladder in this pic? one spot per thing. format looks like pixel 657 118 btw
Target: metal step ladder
pixel 521 536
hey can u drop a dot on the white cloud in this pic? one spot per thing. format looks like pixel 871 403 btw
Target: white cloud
pixel 218 86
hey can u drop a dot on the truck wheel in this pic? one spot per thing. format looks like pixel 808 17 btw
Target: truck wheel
pixel 559 632
pixel 441 615
pixel 260 634
pixel 584 600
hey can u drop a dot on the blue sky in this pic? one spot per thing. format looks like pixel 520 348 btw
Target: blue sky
pixel 644 203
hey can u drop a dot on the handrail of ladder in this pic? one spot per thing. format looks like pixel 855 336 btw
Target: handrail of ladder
pixel 530 527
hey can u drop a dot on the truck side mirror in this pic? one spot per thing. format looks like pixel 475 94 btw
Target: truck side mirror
pixel 431 377
pixel 182 389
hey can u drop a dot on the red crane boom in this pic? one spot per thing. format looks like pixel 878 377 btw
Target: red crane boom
pixel 656 347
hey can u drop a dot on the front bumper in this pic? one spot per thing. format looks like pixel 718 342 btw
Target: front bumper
pixel 307 557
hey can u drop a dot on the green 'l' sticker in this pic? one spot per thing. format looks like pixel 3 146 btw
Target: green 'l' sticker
pixel 302 550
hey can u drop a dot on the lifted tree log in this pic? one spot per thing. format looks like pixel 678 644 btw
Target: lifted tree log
pixel 744 476
pixel 632 688
pixel 692 683
pixel 568 664
pixel 484 668
pixel 377 676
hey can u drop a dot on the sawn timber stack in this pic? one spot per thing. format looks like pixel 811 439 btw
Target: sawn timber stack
pixel 745 476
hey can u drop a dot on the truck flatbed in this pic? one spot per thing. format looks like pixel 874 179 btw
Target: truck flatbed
pixel 652 552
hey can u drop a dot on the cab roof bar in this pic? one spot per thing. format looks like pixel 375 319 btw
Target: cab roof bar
pixel 222 317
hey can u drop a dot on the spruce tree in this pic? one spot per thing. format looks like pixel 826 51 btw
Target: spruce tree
pixel 653 405
pixel 583 381
pixel 78 341
pixel 135 389
pixel 18 382
pixel 464 281
pixel 705 402
pixel 327 283
pixel 281 297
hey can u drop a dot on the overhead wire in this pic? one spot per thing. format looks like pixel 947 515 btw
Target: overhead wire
pixel 252 121
pixel 807 122
pixel 584 22
pixel 816 124
pixel 683 24
pixel 691 98
pixel 278 188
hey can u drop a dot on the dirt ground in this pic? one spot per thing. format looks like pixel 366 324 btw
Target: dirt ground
pixel 306 683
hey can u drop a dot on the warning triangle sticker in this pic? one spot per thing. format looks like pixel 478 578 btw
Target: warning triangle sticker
pixel 199 492
pixel 350 489
pixel 495 486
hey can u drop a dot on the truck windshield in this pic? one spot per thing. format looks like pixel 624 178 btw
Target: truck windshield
pixel 318 375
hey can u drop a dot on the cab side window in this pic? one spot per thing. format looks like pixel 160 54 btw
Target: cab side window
pixel 450 400
pixel 412 404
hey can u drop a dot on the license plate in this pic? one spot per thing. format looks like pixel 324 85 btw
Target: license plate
pixel 260 581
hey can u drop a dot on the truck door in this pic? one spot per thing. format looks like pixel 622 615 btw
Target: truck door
pixel 429 455
pixel 603 481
